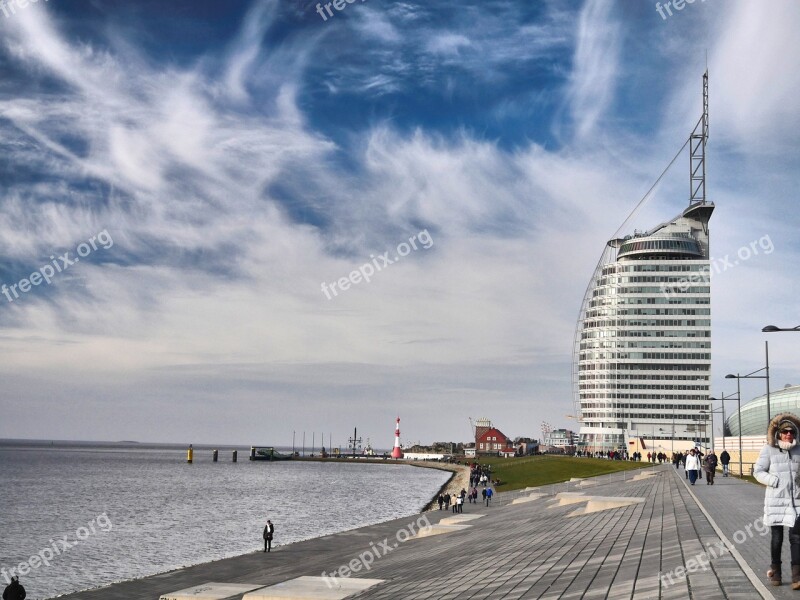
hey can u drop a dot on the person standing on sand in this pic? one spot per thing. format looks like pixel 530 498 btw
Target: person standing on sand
pixel 14 590
pixel 268 531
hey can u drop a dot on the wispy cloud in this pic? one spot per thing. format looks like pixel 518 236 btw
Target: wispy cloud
pixel 596 65
pixel 235 182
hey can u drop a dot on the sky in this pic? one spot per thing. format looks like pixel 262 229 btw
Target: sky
pixel 225 222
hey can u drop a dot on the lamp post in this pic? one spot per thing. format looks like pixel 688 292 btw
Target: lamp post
pixel 754 376
pixel 739 413
pixel 711 412
pixel 673 431
pixel 772 328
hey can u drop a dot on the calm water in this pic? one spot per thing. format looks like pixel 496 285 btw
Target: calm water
pixel 139 511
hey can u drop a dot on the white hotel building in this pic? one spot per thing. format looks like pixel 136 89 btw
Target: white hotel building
pixel 643 341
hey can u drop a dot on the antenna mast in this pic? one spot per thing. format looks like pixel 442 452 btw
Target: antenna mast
pixel 697 150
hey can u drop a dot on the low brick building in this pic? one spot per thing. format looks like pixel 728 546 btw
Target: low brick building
pixel 492 441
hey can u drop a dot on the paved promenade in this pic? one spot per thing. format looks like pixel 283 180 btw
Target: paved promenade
pixel 651 537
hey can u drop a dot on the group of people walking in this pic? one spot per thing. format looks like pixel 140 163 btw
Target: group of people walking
pixel 695 463
pixel 455 502
pixel 480 475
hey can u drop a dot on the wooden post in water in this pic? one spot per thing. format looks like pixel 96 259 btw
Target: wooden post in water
pixel 189 454
pixel 235 455
pixel 214 455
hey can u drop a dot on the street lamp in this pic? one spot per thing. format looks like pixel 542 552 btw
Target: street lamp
pixel 739 413
pixel 754 376
pixel 711 412
pixel 700 428
pixel 772 328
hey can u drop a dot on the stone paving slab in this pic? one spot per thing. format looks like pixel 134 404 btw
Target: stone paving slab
pixel 210 591
pixel 312 588
pixel 734 506
pixel 649 549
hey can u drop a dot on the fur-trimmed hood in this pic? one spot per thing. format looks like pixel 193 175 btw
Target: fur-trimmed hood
pixel 777 422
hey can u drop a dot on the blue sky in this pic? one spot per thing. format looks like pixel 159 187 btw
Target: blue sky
pixel 240 154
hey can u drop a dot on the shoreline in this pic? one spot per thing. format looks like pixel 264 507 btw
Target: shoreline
pixel 428 464
pixel 458 480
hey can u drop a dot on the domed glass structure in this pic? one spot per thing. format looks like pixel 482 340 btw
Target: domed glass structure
pixel 754 413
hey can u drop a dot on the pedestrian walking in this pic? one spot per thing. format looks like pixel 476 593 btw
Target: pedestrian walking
pixel 460 504
pixel 710 463
pixel 777 468
pixel 269 530
pixel 489 494
pixel 14 590
pixel 441 501
pixel 725 459
pixel 692 466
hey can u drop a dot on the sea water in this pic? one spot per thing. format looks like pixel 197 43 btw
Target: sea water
pixel 83 516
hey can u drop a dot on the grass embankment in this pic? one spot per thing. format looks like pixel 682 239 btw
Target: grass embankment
pixel 516 473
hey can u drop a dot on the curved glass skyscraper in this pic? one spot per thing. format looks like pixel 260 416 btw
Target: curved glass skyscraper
pixel 644 338
pixel 642 360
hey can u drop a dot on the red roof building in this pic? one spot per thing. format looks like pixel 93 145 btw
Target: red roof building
pixel 492 441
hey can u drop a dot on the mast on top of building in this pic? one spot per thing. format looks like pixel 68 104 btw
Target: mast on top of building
pixel 697 153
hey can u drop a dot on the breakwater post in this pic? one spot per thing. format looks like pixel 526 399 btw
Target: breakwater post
pixel 235 455
pixel 189 454
pixel 214 455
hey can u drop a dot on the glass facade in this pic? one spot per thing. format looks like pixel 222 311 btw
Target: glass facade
pixel 754 413
pixel 643 341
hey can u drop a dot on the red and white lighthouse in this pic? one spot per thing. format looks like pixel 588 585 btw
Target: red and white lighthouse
pixel 396 451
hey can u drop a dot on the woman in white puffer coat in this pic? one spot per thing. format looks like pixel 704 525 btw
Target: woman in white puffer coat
pixel 692 466
pixel 778 468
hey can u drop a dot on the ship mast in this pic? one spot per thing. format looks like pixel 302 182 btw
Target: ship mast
pixel 697 153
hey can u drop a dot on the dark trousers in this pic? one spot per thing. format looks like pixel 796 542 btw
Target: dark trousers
pixel 267 544
pixel 777 543
pixel 692 474
pixel 710 475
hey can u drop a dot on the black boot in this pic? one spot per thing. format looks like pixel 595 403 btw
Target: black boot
pixel 774 574
pixel 796 577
